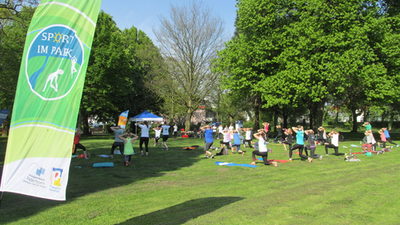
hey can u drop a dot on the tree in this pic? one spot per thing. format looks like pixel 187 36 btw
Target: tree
pixel 12 39
pixel 189 39
pixel 249 57
pixel 119 65
pixel 303 53
pixel 145 63
pixel 10 12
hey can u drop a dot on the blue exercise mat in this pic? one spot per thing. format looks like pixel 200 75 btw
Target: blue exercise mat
pixel 103 165
pixel 234 164
pixel 105 156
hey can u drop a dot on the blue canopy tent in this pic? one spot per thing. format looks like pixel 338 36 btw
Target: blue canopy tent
pixel 146 116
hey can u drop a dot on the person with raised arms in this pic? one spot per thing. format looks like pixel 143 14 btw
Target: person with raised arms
pixel 208 139
pixel 311 145
pixel 118 142
pixel 248 137
pixel 299 130
pixel 128 139
pixel 288 140
pixel 262 149
pixel 387 135
pixel 144 137
pixel 333 136
pixel 157 135
pixel 165 135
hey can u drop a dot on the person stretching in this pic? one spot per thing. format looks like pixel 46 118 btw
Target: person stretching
pixel 237 140
pixel 128 139
pixel 77 144
pixel 387 135
pixel 288 139
pixel 144 137
pixel 262 149
pixel 382 137
pixel 157 135
pixel 248 137
pixel 209 140
pixel 118 142
pixel 299 143
pixel 165 135
pixel 311 145
pixel 334 142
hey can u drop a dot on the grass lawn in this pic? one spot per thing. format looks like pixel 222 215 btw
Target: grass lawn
pixel 182 187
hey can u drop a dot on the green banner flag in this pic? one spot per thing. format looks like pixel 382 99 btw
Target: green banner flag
pixel 49 91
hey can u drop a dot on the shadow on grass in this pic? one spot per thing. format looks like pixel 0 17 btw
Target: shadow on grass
pixel 83 179
pixel 183 212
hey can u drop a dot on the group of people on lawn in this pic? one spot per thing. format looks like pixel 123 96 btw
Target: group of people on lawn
pixel 295 138
pixel 123 140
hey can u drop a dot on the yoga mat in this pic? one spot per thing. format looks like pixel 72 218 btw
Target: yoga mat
pixel 369 153
pixel 103 165
pixel 104 156
pixel 357 153
pixel 278 160
pixel 234 164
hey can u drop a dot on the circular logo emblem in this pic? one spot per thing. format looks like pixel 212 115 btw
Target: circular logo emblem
pixel 54 62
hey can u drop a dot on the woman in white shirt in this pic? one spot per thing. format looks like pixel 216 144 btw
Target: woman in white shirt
pixel 157 135
pixel 262 149
pixel 165 135
pixel 248 137
pixel 225 143
pixel 334 142
pixel 144 137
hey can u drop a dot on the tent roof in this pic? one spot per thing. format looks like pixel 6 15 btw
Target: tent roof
pixel 146 116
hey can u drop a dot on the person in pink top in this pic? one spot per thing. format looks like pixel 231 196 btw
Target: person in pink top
pixel 383 138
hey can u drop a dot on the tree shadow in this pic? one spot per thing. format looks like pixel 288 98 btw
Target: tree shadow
pixel 83 179
pixel 181 213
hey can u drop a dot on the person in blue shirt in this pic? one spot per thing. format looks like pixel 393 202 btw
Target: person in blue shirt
pixel 299 130
pixel 209 140
pixel 237 140
pixel 387 135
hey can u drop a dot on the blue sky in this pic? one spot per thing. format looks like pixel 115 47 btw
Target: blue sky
pixel 145 14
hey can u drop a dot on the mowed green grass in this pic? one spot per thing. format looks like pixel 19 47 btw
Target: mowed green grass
pixel 182 187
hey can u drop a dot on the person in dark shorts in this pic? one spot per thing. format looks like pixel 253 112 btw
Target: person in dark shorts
pixel 118 142
pixel 209 140
pixel 165 135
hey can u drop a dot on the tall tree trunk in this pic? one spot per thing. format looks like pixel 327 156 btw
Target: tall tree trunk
pixel 390 124
pixel 337 117
pixel 366 115
pixel 355 125
pixel 275 119
pixel 319 118
pixel 257 108
pixel 285 119
pixel 316 114
pixel 188 118
pixel 85 123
